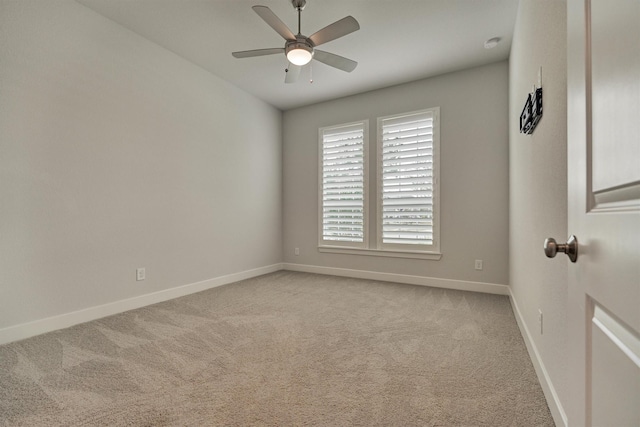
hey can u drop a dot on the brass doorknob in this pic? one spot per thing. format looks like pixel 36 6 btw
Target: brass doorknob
pixel 551 248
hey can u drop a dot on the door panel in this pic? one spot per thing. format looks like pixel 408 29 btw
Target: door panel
pixel 603 89
pixel 615 52
pixel 615 367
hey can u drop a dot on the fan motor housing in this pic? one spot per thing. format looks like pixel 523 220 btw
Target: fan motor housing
pixel 298 44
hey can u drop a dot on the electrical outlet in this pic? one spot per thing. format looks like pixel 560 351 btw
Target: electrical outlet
pixel 141 274
pixel 296 251
pixel 478 264
pixel 540 320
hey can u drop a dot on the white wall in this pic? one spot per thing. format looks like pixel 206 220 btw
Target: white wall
pixel 538 190
pixel 115 154
pixel 474 173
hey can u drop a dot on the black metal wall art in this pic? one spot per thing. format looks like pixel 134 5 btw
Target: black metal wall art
pixel 532 112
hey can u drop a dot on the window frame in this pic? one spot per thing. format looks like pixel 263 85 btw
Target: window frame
pixel 365 196
pixel 411 251
pixel 433 248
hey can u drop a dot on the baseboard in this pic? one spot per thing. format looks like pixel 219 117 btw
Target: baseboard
pixel 461 285
pixel 41 326
pixel 37 327
pixel 555 406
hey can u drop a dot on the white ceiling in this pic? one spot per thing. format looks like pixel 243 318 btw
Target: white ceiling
pixel 398 41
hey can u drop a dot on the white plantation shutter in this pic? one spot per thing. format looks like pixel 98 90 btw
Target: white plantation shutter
pixel 406 208
pixel 343 184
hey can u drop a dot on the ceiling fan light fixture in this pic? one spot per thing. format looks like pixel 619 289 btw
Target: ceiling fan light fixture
pixel 299 54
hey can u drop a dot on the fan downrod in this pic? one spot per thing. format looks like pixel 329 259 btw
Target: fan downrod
pixel 298 5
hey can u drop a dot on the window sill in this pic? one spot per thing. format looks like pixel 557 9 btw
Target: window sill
pixel 380 252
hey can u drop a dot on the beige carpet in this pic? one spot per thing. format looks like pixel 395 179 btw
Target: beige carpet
pixel 283 349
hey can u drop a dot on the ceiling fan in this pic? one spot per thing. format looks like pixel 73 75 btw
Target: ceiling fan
pixel 300 49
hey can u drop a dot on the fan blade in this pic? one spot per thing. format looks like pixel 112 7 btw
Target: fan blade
pixel 293 73
pixel 336 61
pixel 274 22
pixel 336 30
pixel 258 52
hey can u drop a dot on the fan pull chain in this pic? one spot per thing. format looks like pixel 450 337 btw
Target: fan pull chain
pixel 310 73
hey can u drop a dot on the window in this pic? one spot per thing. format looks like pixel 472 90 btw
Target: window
pixel 406 221
pixel 406 181
pixel 343 185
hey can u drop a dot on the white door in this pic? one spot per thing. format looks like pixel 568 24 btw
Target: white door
pixel 604 212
